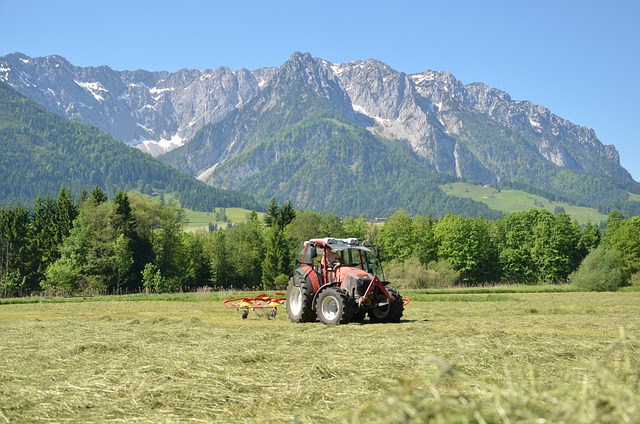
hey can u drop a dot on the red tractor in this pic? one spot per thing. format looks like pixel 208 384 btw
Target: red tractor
pixel 340 281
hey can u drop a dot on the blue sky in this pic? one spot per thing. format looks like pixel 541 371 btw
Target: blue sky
pixel 580 59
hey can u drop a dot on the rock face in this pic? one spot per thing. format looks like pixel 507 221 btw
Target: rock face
pixel 468 131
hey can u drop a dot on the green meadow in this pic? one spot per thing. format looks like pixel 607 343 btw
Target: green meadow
pixel 200 220
pixel 509 201
pixel 462 357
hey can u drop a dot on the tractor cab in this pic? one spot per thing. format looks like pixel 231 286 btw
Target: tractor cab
pixel 334 259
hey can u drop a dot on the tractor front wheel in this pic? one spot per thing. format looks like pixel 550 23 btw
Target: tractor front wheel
pixel 334 306
pixel 299 302
pixel 389 312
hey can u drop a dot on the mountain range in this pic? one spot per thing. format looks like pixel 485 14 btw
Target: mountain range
pixel 350 138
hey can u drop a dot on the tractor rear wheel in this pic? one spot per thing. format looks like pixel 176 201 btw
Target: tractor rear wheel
pixel 391 311
pixel 334 306
pixel 299 302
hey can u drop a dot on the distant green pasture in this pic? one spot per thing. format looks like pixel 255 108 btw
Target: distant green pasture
pixel 200 220
pixel 197 220
pixel 509 201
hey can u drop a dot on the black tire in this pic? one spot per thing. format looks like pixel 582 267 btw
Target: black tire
pixel 334 306
pixel 391 312
pixel 299 302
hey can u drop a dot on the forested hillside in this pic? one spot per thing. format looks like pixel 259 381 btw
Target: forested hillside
pixel 42 152
pixel 516 158
pixel 301 148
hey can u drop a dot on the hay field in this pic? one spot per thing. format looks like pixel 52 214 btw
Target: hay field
pixel 518 358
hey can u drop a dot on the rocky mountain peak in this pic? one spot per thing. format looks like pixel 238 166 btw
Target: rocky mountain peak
pixel 302 71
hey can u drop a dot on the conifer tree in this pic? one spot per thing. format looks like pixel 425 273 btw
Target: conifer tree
pixel 65 212
pixel 98 195
pixel 276 256
pixel 273 212
pixel 42 237
pixel 286 215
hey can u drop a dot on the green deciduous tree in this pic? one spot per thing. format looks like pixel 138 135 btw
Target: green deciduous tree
pixel 396 237
pixel 425 247
pixel 123 260
pixel 625 238
pixel 590 237
pixel 467 244
pixel 537 246
pixel 614 220
pixel 197 269
pixel 356 227
pixel 245 244
pixel 306 225
pixel 152 279
pixel 555 249
pixel 167 242
pixel 602 270
pixel 515 240
pixel 331 226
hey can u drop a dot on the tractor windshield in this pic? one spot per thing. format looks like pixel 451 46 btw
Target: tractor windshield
pixel 362 258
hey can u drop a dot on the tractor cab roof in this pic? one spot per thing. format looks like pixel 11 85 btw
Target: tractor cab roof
pixel 340 244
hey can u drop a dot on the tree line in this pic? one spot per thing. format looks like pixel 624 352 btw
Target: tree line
pixel 135 243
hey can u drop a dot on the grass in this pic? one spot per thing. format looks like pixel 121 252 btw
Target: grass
pixel 509 201
pixel 458 357
pixel 197 220
pixel 200 220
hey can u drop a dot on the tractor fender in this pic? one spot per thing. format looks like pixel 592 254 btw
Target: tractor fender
pixel 307 275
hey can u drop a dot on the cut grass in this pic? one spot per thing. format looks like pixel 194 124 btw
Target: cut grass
pixel 525 357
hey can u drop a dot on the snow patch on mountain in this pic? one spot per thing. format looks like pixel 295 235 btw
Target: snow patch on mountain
pixel 419 78
pixel 95 89
pixel 156 90
pixel 4 73
pixel 155 148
